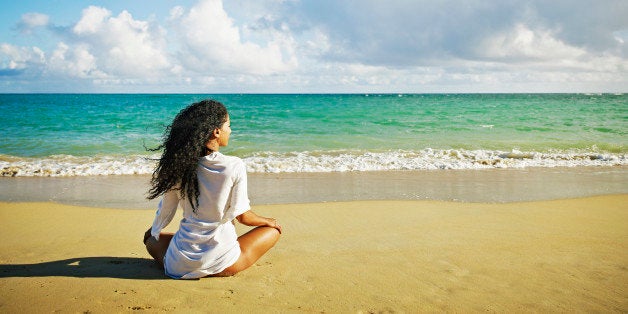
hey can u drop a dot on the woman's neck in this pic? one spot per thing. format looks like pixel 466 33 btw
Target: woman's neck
pixel 211 147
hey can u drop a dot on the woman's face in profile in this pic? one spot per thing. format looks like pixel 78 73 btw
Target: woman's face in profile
pixel 225 132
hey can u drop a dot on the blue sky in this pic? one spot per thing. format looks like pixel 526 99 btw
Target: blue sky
pixel 315 46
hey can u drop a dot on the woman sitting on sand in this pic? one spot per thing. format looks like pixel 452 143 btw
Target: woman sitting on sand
pixel 212 190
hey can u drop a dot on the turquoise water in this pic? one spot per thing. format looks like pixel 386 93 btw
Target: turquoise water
pixel 87 134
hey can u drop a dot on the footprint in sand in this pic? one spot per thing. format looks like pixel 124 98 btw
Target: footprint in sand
pixel 454 270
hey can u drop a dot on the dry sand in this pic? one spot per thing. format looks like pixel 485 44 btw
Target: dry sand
pixel 362 256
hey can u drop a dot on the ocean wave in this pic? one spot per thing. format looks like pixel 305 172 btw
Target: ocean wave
pixel 68 166
pixel 428 159
pixel 320 161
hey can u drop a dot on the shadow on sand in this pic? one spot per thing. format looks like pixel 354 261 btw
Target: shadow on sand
pixel 88 267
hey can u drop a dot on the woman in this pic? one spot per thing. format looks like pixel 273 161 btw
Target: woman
pixel 212 190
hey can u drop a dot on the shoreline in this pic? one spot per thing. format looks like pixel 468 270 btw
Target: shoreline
pixel 396 256
pixel 473 186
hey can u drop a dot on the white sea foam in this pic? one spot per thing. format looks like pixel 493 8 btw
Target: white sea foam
pixel 428 159
pixel 328 161
pixel 64 165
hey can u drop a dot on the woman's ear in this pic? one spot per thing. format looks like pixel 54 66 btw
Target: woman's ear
pixel 216 133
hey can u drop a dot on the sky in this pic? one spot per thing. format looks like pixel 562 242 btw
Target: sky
pixel 313 46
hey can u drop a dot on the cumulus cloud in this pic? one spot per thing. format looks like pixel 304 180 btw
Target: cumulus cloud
pixel 523 43
pixel 99 45
pixel 492 45
pixel 31 21
pixel 76 62
pixel 204 42
pixel 120 45
pixel 336 46
pixel 211 42
pixel 15 60
pixel 410 33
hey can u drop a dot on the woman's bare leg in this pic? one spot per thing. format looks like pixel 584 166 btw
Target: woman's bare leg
pixel 253 245
pixel 157 249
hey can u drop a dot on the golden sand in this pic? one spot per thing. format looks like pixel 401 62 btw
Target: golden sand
pixel 364 256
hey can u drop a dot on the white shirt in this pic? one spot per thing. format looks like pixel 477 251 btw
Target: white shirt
pixel 206 242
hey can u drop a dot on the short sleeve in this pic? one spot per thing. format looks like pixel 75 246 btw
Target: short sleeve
pixel 239 202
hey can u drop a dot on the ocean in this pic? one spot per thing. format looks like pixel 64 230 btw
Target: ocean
pixel 108 134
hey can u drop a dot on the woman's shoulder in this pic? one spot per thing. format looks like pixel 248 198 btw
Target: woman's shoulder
pixel 231 162
pixel 219 160
pixel 231 159
pixel 235 165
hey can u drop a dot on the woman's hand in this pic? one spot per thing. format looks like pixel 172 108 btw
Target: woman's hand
pixel 272 222
pixel 250 218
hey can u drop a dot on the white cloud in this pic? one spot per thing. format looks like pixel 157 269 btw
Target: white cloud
pixel 212 43
pixel 523 43
pixel 331 46
pixel 75 62
pixel 121 45
pixel 92 21
pixel 20 58
pixel 546 58
pixel 31 21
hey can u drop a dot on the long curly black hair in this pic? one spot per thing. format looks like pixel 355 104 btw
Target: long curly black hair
pixel 184 142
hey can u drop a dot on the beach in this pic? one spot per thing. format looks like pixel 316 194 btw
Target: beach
pixel 556 252
pixel 388 202
pixel 402 156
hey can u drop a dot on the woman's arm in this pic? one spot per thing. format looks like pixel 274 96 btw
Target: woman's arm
pixel 250 218
pixel 165 212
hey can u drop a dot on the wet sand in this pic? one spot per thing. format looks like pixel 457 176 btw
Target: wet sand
pixel 488 186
